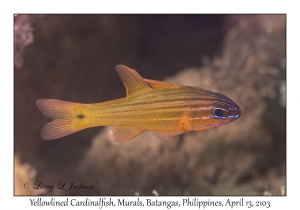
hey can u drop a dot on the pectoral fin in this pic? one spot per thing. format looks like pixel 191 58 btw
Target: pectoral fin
pixel 124 133
pixel 132 80
pixel 168 134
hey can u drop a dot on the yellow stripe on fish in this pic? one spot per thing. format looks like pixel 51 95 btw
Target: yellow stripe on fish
pixel 168 109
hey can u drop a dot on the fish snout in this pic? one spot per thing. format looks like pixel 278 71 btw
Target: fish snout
pixel 234 112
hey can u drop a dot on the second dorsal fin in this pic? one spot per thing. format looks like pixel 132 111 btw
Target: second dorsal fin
pixel 132 80
pixel 159 85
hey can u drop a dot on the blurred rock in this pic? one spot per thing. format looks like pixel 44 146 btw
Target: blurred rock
pixel 25 176
pixel 23 37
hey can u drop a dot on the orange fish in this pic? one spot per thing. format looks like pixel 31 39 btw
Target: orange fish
pixel 167 109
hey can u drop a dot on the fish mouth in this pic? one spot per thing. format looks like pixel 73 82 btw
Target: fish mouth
pixel 234 112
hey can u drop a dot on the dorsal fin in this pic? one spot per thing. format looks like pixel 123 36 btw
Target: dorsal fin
pixel 132 80
pixel 159 85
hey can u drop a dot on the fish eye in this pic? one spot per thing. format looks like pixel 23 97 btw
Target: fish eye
pixel 219 112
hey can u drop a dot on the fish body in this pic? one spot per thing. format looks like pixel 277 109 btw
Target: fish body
pixel 167 109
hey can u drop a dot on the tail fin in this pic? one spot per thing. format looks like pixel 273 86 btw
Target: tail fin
pixel 67 118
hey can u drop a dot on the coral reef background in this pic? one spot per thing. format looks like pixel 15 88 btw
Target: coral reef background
pixel 72 58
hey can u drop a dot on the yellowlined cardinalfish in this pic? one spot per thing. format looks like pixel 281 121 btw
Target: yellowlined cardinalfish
pixel 167 109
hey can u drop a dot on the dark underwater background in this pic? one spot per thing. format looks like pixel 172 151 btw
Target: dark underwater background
pixel 72 58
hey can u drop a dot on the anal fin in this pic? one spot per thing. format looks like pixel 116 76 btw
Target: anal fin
pixel 124 133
